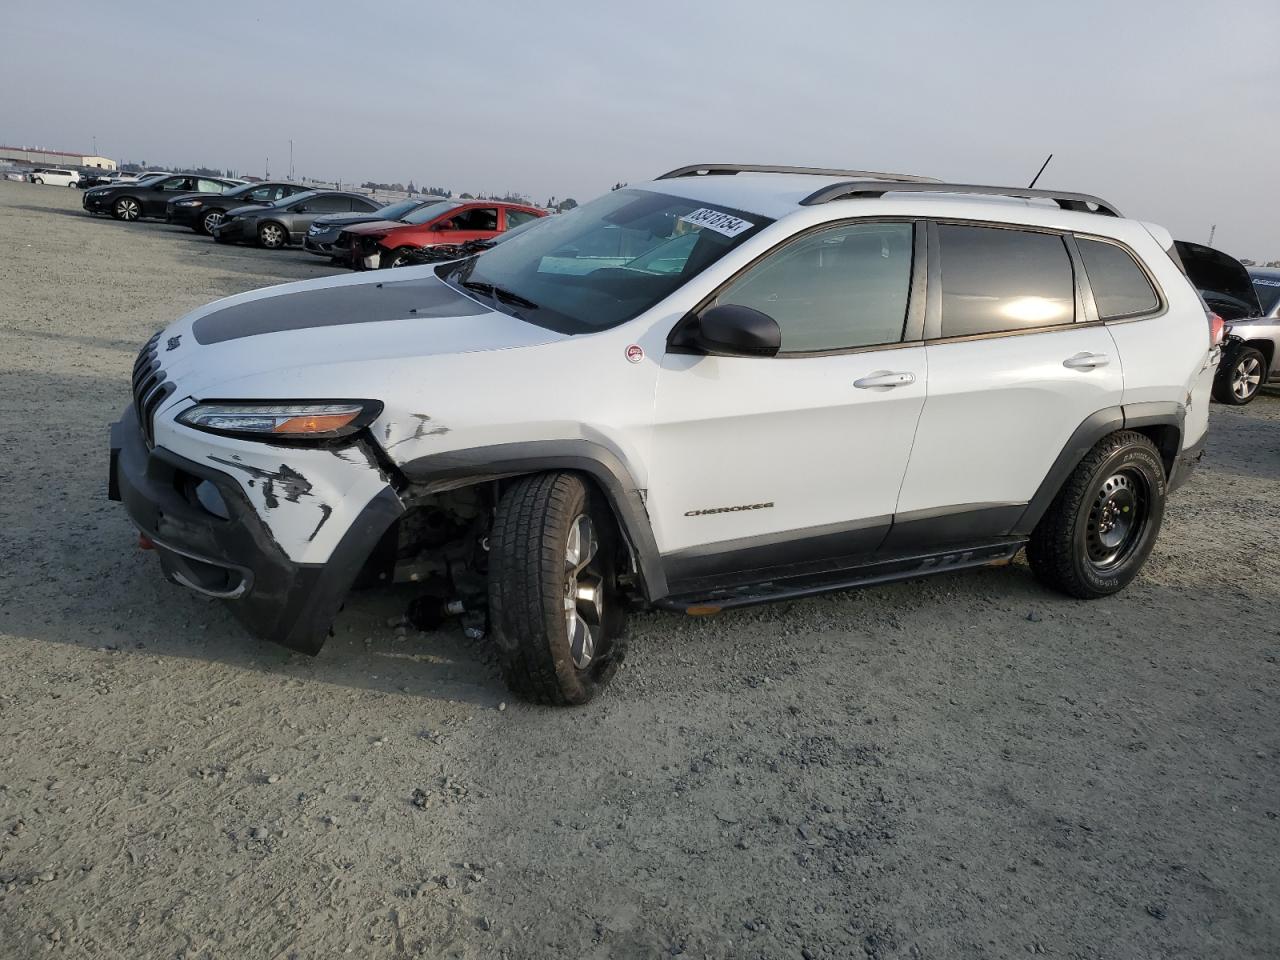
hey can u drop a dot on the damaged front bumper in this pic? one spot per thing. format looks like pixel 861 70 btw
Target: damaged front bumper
pixel 210 538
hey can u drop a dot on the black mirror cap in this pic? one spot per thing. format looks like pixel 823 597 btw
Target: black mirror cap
pixel 733 330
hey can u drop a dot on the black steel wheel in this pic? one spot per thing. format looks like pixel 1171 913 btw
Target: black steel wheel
pixel 1100 528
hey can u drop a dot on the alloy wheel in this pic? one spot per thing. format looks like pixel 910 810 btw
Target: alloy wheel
pixel 583 592
pixel 272 236
pixel 128 209
pixel 1117 519
pixel 1246 378
pixel 211 220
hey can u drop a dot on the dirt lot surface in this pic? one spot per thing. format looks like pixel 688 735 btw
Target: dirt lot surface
pixel 967 766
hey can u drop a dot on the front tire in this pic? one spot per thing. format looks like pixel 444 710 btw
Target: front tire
pixel 209 220
pixel 554 605
pixel 127 209
pixel 1239 380
pixel 398 257
pixel 272 236
pixel 1100 528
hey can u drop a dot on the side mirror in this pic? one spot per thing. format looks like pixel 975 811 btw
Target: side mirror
pixel 300 209
pixel 736 331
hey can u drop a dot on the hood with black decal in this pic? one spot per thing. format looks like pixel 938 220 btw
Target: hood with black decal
pixel 340 335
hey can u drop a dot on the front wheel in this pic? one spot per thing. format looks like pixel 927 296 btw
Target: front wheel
pixel 400 257
pixel 554 604
pixel 127 209
pixel 272 236
pixel 1240 378
pixel 1100 528
pixel 37 180
pixel 207 222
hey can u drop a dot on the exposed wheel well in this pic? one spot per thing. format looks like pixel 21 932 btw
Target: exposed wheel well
pixel 439 531
pixel 1168 440
pixel 1267 349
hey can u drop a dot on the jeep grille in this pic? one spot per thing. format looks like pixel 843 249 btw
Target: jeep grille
pixel 150 387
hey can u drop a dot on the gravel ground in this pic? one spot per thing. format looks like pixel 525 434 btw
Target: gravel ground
pixel 966 766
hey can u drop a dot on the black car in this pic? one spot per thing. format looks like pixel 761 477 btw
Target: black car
pixel 325 230
pixel 204 211
pixel 148 198
pixel 287 221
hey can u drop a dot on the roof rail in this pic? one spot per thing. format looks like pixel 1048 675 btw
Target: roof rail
pixel 1079 202
pixel 728 169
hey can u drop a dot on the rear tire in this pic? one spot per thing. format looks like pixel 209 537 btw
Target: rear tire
pixel 1100 528
pixel 1240 377
pixel 554 605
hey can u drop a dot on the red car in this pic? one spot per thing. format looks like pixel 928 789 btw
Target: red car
pixel 385 243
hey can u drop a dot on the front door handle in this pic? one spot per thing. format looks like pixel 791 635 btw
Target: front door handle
pixel 1086 361
pixel 885 378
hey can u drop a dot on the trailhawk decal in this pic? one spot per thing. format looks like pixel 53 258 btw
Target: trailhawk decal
pixel 739 509
pixel 715 220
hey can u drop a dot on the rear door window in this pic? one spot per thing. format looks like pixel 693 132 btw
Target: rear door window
pixel 517 217
pixel 210 186
pixel 1120 288
pixel 996 280
pixel 329 204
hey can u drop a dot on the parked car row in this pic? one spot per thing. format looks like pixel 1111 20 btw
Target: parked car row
pixel 352 229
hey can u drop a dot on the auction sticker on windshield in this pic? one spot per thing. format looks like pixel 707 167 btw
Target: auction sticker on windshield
pixel 717 221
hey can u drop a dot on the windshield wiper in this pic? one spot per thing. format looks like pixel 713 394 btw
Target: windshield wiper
pixel 498 293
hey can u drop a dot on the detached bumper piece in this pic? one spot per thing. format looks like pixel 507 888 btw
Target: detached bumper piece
pixel 210 539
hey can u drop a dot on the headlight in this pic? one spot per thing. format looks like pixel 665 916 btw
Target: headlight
pixel 282 421
pixel 188 203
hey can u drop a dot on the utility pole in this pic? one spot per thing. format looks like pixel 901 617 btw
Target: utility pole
pixel 290 160
pixel 266 171
pixel 1212 230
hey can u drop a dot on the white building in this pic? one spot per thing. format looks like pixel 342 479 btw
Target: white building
pixel 54 158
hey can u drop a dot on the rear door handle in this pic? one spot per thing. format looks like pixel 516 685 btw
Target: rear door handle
pixel 1086 361
pixel 885 379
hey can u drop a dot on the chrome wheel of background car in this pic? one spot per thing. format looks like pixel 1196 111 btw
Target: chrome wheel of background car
pixel 583 592
pixel 271 235
pixel 127 208
pixel 211 220
pixel 1246 378
pixel 1116 519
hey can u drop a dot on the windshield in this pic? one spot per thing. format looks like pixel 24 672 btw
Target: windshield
pixel 605 262
pixel 394 211
pixel 429 212
pixel 1268 292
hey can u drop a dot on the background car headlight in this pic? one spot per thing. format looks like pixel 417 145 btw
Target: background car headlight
pixel 276 421
pixel 189 203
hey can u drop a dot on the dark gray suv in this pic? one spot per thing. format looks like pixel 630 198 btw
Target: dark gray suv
pixel 287 221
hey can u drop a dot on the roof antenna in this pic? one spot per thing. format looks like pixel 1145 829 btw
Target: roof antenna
pixel 1037 176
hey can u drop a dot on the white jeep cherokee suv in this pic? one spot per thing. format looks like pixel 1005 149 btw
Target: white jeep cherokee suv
pixel 731 385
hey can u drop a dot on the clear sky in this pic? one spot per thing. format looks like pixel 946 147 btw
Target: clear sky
pixel 1169 109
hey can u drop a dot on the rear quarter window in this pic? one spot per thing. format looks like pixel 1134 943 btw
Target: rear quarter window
pixel 1120 287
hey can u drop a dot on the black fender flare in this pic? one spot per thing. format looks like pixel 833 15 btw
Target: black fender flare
pixel 1131 416
pixel 603 465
